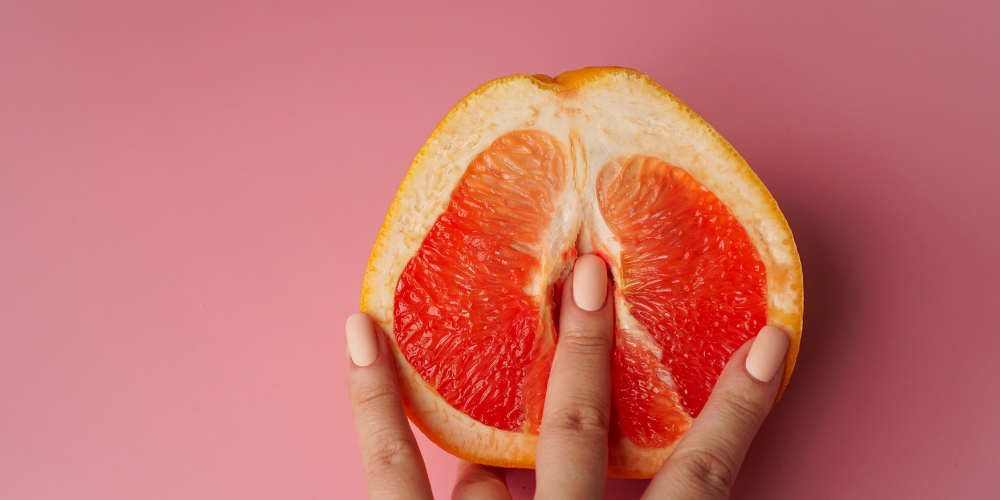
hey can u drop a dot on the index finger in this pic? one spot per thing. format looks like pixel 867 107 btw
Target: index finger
pixel 393 465
pixel 572 453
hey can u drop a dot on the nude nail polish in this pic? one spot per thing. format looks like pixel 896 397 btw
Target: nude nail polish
pixel 361 340
pixel 590 282
pixel 766 353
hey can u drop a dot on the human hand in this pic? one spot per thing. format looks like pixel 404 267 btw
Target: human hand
pixel 572 452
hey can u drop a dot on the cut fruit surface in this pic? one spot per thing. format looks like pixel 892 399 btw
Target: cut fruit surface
pixel 519 178
pixel 689 272
pixel 463 318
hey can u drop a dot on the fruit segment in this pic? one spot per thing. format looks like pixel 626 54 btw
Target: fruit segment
pixel 689 273
pixel 647 408
pixel 462 317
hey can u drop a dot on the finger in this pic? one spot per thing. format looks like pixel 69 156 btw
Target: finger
pixel 705 463
pixel 572 453
pixel 480 482
pixel 393 465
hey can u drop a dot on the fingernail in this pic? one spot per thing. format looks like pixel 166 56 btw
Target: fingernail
pixel 590 282
pixel 766 353
pixel 361 341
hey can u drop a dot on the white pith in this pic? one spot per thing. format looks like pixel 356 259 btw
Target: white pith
pixel 617 116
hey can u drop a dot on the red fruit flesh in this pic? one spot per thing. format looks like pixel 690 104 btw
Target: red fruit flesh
pixel 647 409
pixel 462 318
pixel 689 272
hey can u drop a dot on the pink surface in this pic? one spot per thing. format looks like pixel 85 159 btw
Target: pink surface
pixel 188 196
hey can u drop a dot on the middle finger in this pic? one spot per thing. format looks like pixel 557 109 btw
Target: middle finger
pixel 572 453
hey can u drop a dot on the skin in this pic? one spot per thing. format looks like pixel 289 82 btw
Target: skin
pixel 572 454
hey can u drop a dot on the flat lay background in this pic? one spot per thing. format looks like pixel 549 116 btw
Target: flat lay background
pixel 189 192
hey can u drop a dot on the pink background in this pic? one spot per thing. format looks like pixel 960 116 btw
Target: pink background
pixel 189 192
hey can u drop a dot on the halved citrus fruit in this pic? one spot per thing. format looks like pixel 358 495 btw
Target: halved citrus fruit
pixel 523 175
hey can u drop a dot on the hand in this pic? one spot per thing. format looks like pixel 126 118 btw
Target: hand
pixel 572 453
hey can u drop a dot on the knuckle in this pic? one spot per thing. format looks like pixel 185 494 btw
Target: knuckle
pixel 388 451
pixel 742 410
pixel 708 472
pixel 585 343
pixel 366 396
pixel 579 418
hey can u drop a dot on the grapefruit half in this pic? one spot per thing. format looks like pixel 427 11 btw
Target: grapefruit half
pixel 523 175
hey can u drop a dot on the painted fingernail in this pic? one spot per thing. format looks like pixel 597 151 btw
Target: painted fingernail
pixel 361 341
pixel 766 353
pixel 590 282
